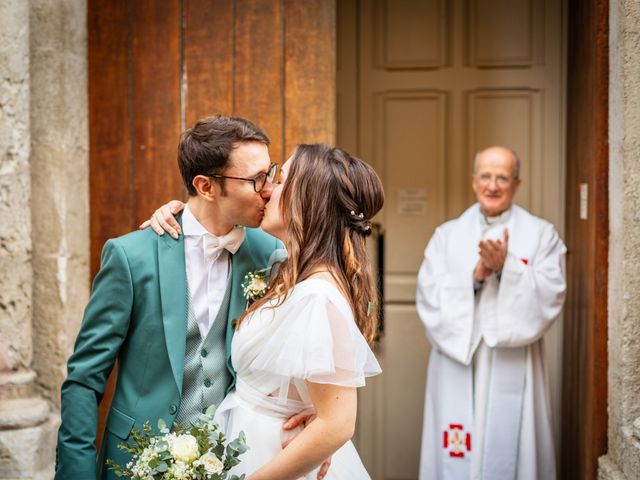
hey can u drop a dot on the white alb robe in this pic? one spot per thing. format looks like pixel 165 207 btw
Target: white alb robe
pixel 487 409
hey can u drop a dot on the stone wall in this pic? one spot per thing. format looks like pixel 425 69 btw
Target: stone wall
pixel 44 224
pixel 15 185
pixel 59 184
pixel 623 458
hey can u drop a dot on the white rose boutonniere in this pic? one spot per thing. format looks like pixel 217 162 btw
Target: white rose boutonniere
pixel 255 284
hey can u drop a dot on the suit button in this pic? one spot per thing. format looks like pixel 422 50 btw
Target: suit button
pixel 204 353
pixel 173 409
pixel 207 383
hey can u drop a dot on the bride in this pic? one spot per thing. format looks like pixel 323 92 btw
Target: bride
pixel 304 344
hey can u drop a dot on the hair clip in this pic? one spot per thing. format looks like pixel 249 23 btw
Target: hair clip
pixel 370 307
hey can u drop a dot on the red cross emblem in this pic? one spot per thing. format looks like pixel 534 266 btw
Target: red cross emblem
pixel 456 440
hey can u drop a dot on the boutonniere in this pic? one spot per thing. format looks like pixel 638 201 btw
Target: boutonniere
pixel 255 284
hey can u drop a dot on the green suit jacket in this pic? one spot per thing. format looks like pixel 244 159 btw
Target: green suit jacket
pixel 137 314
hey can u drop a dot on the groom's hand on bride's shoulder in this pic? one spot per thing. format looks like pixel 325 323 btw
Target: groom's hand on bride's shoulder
pixel 164 220
pixel 303 419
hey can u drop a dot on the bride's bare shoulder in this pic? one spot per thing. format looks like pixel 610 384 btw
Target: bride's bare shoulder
pixel 323 275
pixel 326 276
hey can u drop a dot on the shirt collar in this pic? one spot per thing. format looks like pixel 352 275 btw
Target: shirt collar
pixel 190 226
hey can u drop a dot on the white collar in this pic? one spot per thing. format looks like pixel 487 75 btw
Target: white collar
pixel 498 219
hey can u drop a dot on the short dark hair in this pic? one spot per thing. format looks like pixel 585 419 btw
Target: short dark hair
pixel 205 148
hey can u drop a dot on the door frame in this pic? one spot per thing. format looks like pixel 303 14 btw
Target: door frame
pixel 584 395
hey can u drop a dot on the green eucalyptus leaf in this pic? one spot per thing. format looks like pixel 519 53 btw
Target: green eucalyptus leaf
pixel 239 444
pixel 218 450
pixel 211 411
pixel 162 445
pixel 166 455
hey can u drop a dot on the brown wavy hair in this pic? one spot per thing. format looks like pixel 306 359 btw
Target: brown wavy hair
pixel 327 203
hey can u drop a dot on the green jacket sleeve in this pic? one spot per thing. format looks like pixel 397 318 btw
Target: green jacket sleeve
pixel 104 327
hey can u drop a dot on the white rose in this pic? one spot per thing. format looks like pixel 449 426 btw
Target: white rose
pixel 211 463
pixel 184 448
pixel 258 284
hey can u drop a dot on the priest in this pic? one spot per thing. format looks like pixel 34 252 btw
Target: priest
pixel 491 284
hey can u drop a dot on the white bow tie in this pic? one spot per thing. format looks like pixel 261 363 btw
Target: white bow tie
pixel 213 246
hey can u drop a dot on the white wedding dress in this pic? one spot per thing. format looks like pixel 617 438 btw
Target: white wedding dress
pixel 311 336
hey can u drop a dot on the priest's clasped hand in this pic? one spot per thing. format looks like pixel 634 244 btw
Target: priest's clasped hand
pixel 493 254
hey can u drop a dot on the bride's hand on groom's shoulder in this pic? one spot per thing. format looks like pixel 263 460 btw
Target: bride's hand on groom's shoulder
pixel 164 220
pixel 303 419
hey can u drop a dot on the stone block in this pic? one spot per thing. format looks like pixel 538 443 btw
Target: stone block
pixel 29 452
pixel 16 384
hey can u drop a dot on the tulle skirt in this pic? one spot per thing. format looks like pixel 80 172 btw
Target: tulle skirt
pixel 264 433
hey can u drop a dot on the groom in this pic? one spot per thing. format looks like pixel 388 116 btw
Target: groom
pixel 165 307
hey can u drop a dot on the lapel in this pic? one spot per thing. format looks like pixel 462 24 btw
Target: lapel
pixel 173 297
pixel 242 263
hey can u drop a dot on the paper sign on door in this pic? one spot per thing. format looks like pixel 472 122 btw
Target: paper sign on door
pixel 412 202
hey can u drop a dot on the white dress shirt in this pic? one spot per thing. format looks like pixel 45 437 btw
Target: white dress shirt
pixel 207 269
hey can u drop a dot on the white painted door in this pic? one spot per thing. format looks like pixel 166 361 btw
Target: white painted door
pixel 422 86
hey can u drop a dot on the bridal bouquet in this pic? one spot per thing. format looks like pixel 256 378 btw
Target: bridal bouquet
pixel 196 453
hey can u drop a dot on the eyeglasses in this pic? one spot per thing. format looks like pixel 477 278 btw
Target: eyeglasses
pixel 501 180
pixel 259 181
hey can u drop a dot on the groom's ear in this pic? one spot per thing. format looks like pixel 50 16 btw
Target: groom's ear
pixel 206 187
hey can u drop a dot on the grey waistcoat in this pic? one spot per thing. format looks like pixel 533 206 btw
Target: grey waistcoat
pixel 206 377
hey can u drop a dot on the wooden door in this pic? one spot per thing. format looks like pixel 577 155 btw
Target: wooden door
pixel 584 402
pixel 422 86
pixel 155 67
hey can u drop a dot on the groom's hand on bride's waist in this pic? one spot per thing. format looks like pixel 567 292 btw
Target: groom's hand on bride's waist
pixel 303 419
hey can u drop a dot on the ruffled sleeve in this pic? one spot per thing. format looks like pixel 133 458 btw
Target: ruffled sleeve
pixel 314 337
